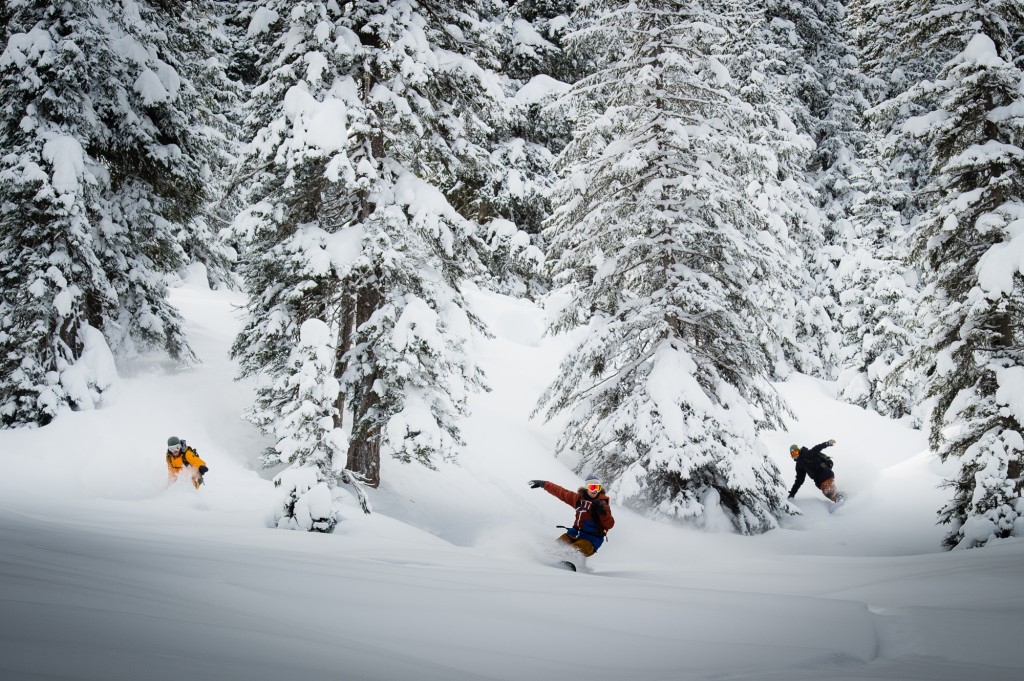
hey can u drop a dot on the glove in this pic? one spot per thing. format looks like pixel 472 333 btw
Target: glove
pixel 790 496
pixel 202 470
pixel 832 442
pixel 534 484
pixel 598 508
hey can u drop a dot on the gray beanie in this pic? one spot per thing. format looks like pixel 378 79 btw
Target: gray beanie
pixel 173 440
pixel 591 478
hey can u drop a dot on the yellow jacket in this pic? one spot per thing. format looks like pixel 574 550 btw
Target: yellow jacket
pixel 179 459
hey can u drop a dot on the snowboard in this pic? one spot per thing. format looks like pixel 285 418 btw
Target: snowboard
pixel 840 500
pixel 566 565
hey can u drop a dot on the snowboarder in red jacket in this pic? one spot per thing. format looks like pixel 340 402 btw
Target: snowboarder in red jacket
pixel 593 513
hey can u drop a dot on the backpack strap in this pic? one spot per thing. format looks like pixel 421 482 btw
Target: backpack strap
pixel 184 459
pixel 588 504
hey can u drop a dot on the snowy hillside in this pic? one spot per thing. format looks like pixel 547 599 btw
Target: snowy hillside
pixel 105 575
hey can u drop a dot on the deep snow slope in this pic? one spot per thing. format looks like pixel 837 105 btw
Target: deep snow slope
pixel 106 575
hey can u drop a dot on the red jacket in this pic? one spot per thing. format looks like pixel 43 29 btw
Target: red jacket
pixel 586 523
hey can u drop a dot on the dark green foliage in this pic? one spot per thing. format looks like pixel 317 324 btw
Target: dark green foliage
pixel 107 136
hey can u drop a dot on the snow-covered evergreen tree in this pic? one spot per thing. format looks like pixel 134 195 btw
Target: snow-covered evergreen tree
pixel 904 43
pixel 105 140
pixel 776 55
pixel 879 365
pixel 800 64
pixel 882 29
pixel 370 128
pixel 512 202
pixel 968 246
pixel 879 299
pixel 881 369
pixel 877 289
pixel 659 241
pixel 308 437
pixel 535 41
pixel 219 116
pixel 892 58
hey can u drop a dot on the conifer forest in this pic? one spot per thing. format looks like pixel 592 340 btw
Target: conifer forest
pixel 718 194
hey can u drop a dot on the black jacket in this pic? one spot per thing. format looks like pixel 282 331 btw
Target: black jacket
pixel 815 463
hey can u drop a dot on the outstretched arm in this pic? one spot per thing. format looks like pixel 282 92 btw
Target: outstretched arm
pixel 801 475
pixel 561 493
pixel 819 448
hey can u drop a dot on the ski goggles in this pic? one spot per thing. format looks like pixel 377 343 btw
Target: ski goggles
pixel 594 488
pixel 174 448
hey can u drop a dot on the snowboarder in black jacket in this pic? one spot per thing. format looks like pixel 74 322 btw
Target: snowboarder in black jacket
pixel 815 463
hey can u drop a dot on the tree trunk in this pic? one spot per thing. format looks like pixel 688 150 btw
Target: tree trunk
pixel 346 332
pixel 364 444
pixel 364 456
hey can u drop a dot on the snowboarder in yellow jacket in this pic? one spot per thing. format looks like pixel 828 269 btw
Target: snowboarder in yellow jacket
pixel 180 455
